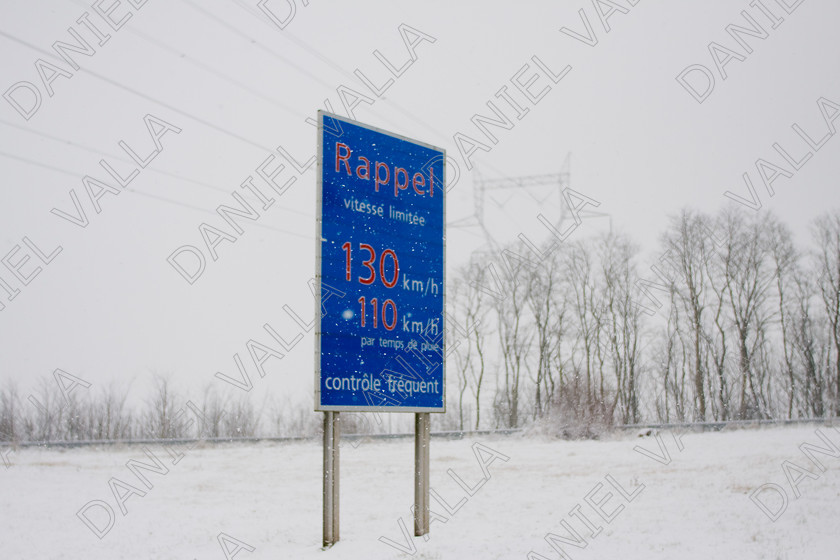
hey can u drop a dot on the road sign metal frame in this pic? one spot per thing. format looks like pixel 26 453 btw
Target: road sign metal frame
pixel 318 240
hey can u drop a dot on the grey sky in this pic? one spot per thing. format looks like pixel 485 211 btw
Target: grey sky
pixel 109 307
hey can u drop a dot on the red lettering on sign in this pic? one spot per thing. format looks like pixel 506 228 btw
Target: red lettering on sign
pixel 418 178
pixel 339 158
pixel 380 165
pixel 382 174
pixel 397 185
pixel 365 167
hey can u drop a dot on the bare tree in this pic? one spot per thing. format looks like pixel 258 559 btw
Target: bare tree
pixel 671 362
pixel 579 270
pixel 514 332
pixel 748 274
pixel 162 418
pixel 10 429
pixel 213 410
pixel 687 239
pixel 461 348
pixel 46 408
pixel 477 332
pixel 827 237
pixel 623 320
pixel 785 270
pixel 548 307
pixel 240 418
pixel 811 348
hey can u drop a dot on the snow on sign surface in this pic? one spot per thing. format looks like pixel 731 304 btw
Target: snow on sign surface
pixel 381 257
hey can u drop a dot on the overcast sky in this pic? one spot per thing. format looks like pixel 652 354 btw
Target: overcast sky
pixel 657 105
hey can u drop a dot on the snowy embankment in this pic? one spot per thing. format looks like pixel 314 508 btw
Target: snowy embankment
pixel 662 496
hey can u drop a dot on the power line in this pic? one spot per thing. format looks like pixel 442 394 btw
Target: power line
pixel 142 193
pixel 144 96
pixel 125 160
pixel 206 67
pixel 329 62
pixel 184 204
pixel 98 152
pixel 337 67
pixel 180 55
pixel 253 41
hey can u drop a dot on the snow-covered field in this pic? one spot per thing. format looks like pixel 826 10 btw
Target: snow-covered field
pixel 666 496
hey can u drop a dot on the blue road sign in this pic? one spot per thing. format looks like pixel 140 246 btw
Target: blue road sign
pixel 380 247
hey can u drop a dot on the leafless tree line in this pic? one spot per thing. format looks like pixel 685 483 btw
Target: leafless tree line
pixel 56 413
pixel 52 413
pixel 733 320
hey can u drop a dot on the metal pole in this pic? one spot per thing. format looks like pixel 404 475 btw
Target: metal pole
pixel 422 437
pixel 332 436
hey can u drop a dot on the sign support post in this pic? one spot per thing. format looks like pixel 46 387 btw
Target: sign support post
pixel 422 438
pixel 380 259
pixel 332 436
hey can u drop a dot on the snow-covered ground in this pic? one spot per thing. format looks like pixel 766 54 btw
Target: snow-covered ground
pixel 663 496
